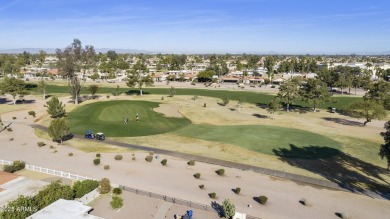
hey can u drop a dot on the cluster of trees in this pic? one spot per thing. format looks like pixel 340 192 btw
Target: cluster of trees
pixel 314 91
pixel 11 64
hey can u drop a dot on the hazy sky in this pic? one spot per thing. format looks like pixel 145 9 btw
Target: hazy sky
pixel 200 26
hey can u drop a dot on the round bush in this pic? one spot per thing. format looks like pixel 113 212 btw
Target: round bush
pixel 263 199
pixel 237 190
pixel 41 144
pixel 96 161
pixel 164 162
pixel 106 167
pixel 213 195
pixel 191 163
pixel 31 113
pixel 98 155
pixel 9 129
pixel 117 191
pixel 70 154
pixel 201 186
pixel 105 186
pixel 133 158
pixel 118 157
pixel 149 158
pixel 197 175
pixel 117 202
pixel 220 172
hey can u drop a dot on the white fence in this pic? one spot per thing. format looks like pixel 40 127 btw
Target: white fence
pixel 5 162
pixel 49 171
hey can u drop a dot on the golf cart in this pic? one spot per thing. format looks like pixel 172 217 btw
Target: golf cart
pixel 89 134
pixel 100 136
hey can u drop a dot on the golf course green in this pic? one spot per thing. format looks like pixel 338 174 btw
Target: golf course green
pixel 265 139
pixel 109 117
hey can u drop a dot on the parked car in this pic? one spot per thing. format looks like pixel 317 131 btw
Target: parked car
pixel 89 134
pixel 100 136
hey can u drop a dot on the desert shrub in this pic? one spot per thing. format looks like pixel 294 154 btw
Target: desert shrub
pixel 151 153
pixel 108 96
pixel 84 187
pixel 41 144
pixel 70 154
pixel 273 86
pixel 201 186
pixel 164 162
pixel 104 186
pixel 14 118
pixel 162 98
pixel 149 158
pixel 116 202
pixel 118 157
pixel 303 202
pixel 15 166
pixel 96 161
pixel 213 195
pixel 133 158
pixel 204 105
pixel 341 215
pixel 197 175
pixel 98 155
pixel 55 151
pixel 11 139
pixel 52 147
pixel 31 113
pixel 9 129
pixel 191 163
pixel 117 191
pixel 220 172
pixel 237 190
pixel 106 167
pixel 263 199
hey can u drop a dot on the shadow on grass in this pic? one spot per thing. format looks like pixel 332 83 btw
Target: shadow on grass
pixel 260 116
pixel 4 101
pixel 343 121
pixel 31 86
pixel 348 172
pixel 23 101
pixel 135 92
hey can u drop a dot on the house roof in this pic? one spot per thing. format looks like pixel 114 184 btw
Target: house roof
pixel 64 209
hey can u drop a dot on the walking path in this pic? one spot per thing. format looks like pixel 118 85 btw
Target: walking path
pixel 162 211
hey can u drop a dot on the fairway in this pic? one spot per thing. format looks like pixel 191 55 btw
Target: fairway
pixel 265 139
pixel 109 116
pixel 250 96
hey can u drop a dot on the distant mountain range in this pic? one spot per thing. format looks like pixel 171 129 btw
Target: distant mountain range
pixel 53 50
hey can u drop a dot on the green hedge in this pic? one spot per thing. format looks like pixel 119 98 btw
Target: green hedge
pixel 84 187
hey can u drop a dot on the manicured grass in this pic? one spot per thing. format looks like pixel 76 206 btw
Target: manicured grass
pixel 251 96
pixel 265 139
pixel 107 117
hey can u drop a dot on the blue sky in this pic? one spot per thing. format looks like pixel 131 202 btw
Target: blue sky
pixel 200 26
